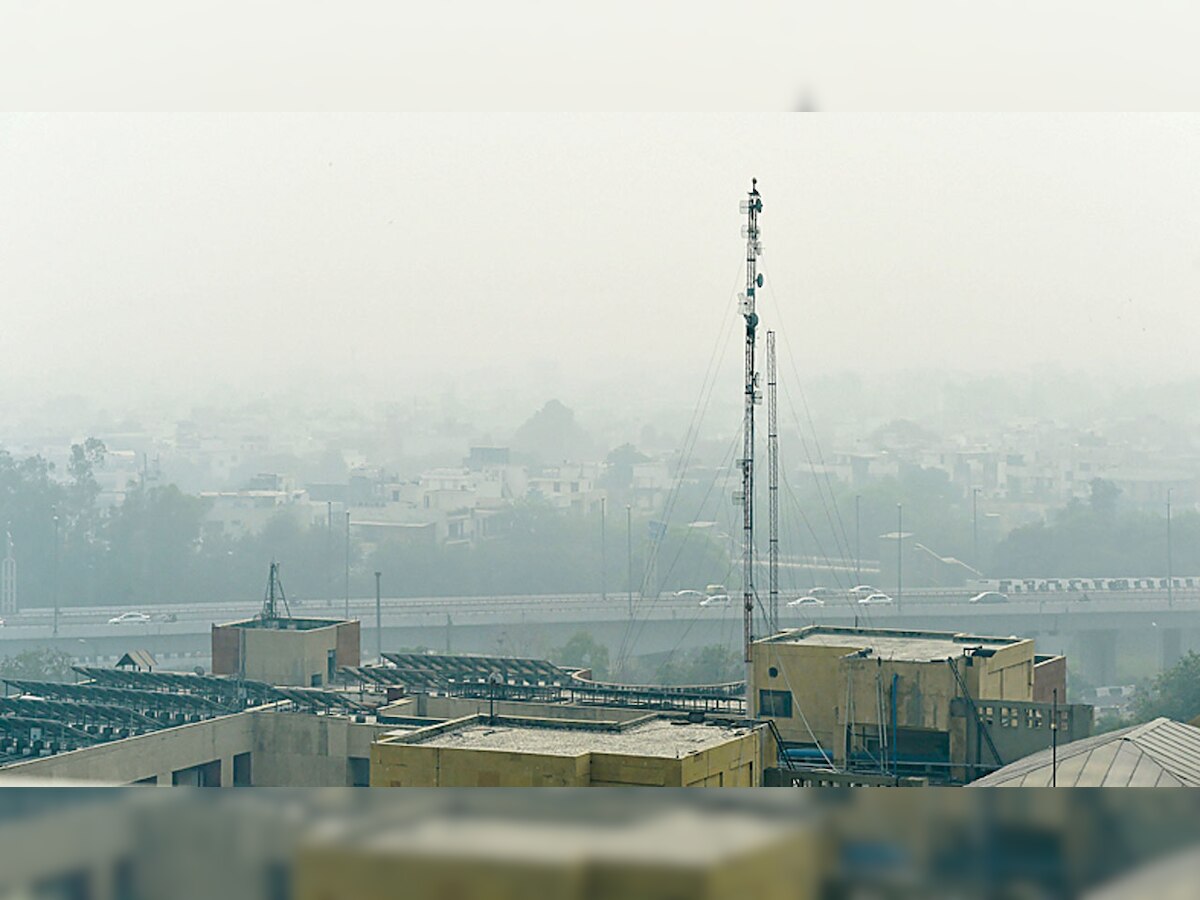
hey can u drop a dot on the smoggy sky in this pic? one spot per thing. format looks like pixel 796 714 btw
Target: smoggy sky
pixel 170 249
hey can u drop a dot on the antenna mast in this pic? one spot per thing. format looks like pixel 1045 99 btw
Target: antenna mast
pixel 773 484
pixel 269 612
pixel 751 206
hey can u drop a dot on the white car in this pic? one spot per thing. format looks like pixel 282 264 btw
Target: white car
pixel 862 590
pixel 807 601
pixel 873 599
pixel 989 597
pixel 688 595
pixel 129 618
pixel 715 600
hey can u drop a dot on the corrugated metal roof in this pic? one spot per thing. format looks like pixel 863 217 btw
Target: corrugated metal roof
pixel 1161 753
pixel 140 658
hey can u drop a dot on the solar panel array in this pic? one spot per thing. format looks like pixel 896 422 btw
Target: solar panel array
pixel 420 671
pixel 535 679
pixel 40 718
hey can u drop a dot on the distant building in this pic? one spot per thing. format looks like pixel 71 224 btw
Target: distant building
pixel 248 510
pixel 485 457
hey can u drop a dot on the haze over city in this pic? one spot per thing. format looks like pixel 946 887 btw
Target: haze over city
pixel 413 450
pixel 194 255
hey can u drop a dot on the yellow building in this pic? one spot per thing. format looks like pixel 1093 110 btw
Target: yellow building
pixel 934 703
pixel 285 650
pixel 568 849
pixel 652 750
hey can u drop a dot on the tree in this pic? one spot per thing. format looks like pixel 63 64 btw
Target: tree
pixel 46 664
pixel 1175 693
pixel 583 650
pixel 552 434
pixel 1103 498
pixel 711 664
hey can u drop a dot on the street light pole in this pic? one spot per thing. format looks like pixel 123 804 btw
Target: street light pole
pixel 857 542
pixel 378 619
pixel 899 556
pixel 1170 579
pixel 54 586
pixel 347 616
pixel 629 553
pixel 603 552
pixel 975 526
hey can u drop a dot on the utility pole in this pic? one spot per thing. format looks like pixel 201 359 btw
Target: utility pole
pixel 329 552
pixel 629 554
pixel 975 526
pixel 378 618
pixel 899 556
pixel 603 552
pixel 1054 739
pixel 751 206
pixel 772 487
pixel 347 616
pixel 1170 579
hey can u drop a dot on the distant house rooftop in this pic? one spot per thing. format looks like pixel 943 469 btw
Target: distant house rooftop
pixel 892 643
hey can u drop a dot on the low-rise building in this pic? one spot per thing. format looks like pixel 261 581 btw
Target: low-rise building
pixel 937 704
pixel 284 650
pixel 497 751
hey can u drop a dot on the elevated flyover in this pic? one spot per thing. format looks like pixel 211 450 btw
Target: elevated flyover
pixel 1106 637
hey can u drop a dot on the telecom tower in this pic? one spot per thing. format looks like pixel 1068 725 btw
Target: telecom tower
pixel 751 206
pixel 8 578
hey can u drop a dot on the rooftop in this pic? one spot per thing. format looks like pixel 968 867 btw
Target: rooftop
pixel 1160 753
pixel 284 623
pixel 656 736
pixel 894 643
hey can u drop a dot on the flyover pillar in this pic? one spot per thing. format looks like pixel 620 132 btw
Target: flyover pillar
pixel 1172 646
pixel 1098 656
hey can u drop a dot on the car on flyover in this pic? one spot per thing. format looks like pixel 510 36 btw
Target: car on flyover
pixel 989 597
pixel 715 600
pixel 876 599
pixel 129 618
pixel 689 595
pixel 809 600
pixel 862 590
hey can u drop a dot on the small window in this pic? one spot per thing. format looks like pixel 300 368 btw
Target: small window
pixel 773 672
pixel 775 704
pixel 316 681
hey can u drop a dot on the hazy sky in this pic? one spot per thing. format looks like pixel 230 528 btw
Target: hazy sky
pixel 174 249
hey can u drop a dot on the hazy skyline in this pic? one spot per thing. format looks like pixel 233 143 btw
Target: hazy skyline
pixel 255 249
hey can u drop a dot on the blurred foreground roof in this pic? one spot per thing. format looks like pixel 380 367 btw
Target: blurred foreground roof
pixel 1161 753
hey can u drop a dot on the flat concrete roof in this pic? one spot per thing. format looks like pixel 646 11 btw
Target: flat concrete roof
pixel 656 737
pixel 894 643
pixel 285 623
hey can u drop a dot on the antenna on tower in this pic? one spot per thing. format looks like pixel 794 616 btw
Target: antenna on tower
pixel 772 485
pixel 269 610
pixel 751 206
